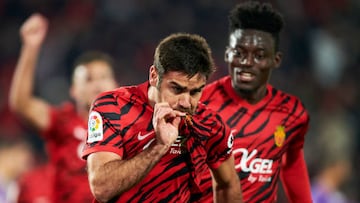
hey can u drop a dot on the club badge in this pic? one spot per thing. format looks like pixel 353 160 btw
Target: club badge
pixel 279 136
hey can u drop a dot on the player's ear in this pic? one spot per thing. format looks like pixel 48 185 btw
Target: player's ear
pixel 72 92
pixel 153 76
pixel 227 55
pixel 278 59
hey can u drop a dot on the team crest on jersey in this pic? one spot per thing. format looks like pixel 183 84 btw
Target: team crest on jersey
pixel 95 127
pixel 279 136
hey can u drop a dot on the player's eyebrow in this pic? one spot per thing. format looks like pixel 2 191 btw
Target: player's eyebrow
pixel 185 88
pixel 172 83
pixel 199 88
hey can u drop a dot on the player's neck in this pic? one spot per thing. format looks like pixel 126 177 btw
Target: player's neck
pixel 83 112
pixel 152 95
pixel 252 97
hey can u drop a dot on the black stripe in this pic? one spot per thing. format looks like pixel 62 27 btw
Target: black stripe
pixel 108 139
pixel 224 105
pixel 111 116
pixel 235 118
pixel 108 96
pixel 126 128
pixel 105 103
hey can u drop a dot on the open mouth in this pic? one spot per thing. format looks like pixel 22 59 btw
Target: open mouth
pixel 244 76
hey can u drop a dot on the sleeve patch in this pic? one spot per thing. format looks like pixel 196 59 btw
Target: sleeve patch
pixel 230 141
pixel 95 127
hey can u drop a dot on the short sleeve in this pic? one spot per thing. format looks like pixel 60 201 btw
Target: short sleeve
pixel 300 131
pixel 102 133
pixel 216 136
pixel 219 146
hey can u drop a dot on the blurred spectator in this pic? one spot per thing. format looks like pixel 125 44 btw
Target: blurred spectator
pixel 63 128
pixel 36 186
pixel 16 157
pixel 328 58
pixel 326 186
pixel 334 155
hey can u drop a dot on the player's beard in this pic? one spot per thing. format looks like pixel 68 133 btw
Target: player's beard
pixel 190 111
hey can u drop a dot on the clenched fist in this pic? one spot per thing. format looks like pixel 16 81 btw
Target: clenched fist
pixel 34 29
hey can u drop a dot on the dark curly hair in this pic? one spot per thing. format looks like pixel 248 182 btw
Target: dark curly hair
pixel 183 52
pixel 258 16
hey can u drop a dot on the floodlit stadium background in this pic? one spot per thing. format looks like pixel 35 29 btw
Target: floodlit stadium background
pixel 321 59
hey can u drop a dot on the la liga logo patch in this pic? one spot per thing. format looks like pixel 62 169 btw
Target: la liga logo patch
pixel 95 127
pixel 279 136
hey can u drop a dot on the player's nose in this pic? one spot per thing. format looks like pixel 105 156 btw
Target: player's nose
pixel 185 101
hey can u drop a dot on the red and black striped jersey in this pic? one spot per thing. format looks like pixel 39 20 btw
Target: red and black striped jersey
pixel 263 133
pixel 121 122
pixel 64 140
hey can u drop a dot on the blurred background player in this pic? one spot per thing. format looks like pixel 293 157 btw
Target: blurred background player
pixel 333 174
pixel 269 125
pixel 335 164
pixel 35 186
pixel 16 158
pixel 63 128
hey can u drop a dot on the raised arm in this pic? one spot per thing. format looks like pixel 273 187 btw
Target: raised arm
pixel 22 100
pixel 226 183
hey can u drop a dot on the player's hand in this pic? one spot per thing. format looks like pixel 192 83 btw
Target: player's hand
pixel 166 123
pixel 34 29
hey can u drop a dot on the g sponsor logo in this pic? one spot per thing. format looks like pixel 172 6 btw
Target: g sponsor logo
pixel 249 162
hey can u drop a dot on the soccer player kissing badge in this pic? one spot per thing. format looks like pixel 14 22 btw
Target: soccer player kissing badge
pixel 95 127
pixel 188 120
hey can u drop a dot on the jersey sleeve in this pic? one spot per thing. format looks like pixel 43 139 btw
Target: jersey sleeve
pixel 300 132
pixel 103 122
pixel 219 146
pixel 294 174
pixel 220 141
pixel 210 145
